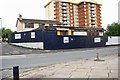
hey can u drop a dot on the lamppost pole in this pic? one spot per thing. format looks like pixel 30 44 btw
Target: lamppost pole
pixel 119 12
pixel 0 22
pixel 1 26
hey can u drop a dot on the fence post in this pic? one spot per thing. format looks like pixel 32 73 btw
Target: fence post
pixel 16 73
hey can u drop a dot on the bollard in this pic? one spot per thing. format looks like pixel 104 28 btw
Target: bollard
pixel 97 58
pixel 16 73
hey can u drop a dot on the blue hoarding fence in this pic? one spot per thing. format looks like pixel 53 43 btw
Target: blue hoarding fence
pixel 52 41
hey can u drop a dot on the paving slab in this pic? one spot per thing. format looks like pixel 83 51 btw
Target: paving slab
pixel 84 67
pixel 101 79
pixel 114 71
pixel 100 71
pixel 97 74
pixel 59 76
pixel 79 76
pixel 82 70
pixel 104 67
pixel 113 67
pixel 79 69
pixel 113 75
pixel 70 66
pixel 64 71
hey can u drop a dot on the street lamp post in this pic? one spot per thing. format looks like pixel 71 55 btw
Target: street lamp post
pixel 0 22
pixel 1 26
pixel 119 12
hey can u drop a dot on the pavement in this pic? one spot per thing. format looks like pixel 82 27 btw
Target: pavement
pixel 85 68
pixel 7 49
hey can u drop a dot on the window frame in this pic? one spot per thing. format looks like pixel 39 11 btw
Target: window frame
pixel 29 25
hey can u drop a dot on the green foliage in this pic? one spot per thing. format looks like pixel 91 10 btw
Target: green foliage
pixel 4 33
pixel 113 30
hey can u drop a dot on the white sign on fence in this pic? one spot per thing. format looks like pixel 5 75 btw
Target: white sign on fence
pixel 17 36
pixel 97 40
pixel 66 40
pixel 32 34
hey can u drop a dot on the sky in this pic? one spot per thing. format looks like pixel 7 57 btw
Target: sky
pixel 34 9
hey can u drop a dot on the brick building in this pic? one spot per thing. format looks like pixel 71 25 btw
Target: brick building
pixel 84 14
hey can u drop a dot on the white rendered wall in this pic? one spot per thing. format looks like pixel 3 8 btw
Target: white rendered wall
pixel 20 26
pixel 34 45
pixel 46 12
pixel 113 40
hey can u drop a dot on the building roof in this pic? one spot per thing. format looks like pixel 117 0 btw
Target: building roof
pixel 48 3
pixel 91 1
pixel 40 21
pixel 74 1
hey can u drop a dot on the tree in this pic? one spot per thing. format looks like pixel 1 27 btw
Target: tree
pixel 5 33
pixel 113 29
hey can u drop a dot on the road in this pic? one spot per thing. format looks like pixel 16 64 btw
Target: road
pixel 34 60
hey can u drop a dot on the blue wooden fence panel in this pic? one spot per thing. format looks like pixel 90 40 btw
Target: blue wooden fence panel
pixel 52 41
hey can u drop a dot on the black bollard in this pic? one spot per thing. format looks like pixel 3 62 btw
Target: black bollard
pixel 16 73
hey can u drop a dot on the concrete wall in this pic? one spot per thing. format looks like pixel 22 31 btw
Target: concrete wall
pixel 19 26
pixel 113 40
pixel 33 45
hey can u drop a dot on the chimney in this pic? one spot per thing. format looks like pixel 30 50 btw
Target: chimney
pixel 20 17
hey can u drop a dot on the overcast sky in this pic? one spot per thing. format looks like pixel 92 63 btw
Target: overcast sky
pixel 34 9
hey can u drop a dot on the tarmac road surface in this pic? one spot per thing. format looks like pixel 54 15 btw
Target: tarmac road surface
pixel 34 60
